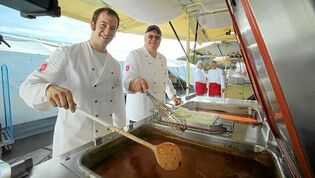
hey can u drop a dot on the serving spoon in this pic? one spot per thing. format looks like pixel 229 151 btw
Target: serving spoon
pixel 167 154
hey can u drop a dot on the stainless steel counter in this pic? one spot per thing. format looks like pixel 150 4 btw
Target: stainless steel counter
pixel 256 139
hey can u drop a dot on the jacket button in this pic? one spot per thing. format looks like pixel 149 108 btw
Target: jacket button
pixel 96 131
pixel 96 115
pixel 111 100
pixel 112 72
pixel 95 101
pixel 93 69
pixel 95 85
pixel 111 115
pixel 112 87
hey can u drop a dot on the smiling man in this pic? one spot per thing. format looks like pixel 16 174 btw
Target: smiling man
pixel 146 70
pixel 83 75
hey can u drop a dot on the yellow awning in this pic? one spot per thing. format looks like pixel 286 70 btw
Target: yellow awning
pixel 83 10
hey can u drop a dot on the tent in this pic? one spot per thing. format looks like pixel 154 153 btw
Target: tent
pixel 25 55
pixel 212 15
pixel 218 48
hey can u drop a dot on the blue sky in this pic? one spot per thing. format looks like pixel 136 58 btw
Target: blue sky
pixel 64 29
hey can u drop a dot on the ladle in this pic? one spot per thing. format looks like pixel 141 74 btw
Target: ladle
pixel 167 154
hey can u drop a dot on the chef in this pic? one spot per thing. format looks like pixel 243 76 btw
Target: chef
pixel 146 70
pixel 216 80
pixel 83 75
pixel 200 79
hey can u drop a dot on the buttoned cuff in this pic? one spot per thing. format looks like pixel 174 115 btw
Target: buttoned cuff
pixel 41 101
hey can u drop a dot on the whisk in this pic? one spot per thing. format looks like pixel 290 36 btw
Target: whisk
pixel 168 115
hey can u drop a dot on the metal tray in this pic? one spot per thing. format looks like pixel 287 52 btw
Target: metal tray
pixel 95 161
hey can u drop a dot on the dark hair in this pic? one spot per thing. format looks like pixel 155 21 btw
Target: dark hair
pixel 109 11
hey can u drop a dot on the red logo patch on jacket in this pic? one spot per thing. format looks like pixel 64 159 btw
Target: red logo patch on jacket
pixel 43 66
pixel 127 67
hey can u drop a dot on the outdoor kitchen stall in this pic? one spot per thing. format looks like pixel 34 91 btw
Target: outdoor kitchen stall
pixel 270 137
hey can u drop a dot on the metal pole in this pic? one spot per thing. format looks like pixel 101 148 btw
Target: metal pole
pixel 188 56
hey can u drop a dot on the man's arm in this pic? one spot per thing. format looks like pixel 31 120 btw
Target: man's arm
pixel 171 92
pixel 119 115
pixel 33 89
pixel 132 81
pixel 222 81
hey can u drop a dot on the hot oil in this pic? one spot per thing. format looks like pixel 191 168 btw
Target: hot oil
pixel 136 161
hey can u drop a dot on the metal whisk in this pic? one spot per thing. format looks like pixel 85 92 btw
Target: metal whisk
pixel 168 115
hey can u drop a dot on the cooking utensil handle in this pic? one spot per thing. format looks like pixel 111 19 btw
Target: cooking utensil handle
pixel 118 130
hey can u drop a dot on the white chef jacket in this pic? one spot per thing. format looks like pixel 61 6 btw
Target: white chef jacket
pixel 139 63
pixel 216 76
pixel 95 88
pixel 199 76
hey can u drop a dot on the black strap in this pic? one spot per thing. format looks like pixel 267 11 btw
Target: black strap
pixel 196 35
pixel 220 49
pixel 178 39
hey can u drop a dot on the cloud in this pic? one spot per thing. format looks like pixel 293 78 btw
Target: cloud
pixel 65 29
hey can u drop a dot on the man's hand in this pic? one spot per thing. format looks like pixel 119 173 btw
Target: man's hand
pixel 177 100
pixel 138 84
pixel 61 97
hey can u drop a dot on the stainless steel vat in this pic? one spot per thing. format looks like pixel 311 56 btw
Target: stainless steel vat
pixel 244 142
pixel 259 157
pixel 253 143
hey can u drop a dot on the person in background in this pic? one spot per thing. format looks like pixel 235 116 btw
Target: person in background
pixel 83 75
pixel 146 70
pixel 200 80
pixel 216 80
